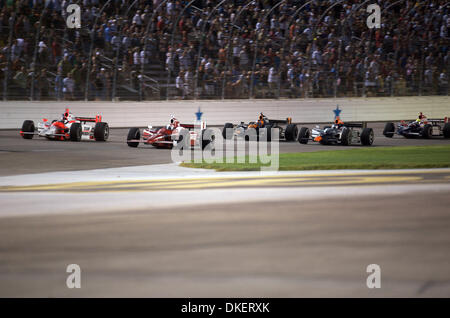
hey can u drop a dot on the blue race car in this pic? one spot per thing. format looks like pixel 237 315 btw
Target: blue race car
pixel 419 128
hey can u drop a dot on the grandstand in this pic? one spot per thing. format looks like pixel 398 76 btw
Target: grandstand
pixel 204 49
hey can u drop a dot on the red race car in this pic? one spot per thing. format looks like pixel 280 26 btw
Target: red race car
pixel 169 136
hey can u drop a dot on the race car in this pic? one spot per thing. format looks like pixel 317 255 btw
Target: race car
pixel 338 133
pixel 422 127
pixel 169 136
pixel 67 127
pixel 287 130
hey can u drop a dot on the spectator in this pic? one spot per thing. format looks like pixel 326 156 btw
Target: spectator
pixel 43 85
pixel 68 87
pixel 338 51
pixel 180 85
pixel 272 80
pixel 20 80
pixel 65 65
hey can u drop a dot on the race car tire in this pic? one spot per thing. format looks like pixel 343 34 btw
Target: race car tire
pixel 207 138
pixel 251 134
pixel 225 127
pixel 446 130
pixel 28 126
pixel 266 133
pixel 75 132
pixel 291 132
pixel 133 134
pixel 101 131
pixel 427 131
pixel 324 141
pixel 181 140
pixel 367 137
pixel 389 130
pixel 303 136
pixel 346 136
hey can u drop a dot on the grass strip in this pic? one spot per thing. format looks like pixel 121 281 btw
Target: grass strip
pixel 407 157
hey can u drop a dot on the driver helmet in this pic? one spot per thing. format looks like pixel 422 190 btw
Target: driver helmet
pixel 261 120
pixel 70 117
pixel 67 116
pixel 173 123
pixel 338 121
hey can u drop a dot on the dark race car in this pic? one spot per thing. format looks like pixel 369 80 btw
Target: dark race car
pixel 287 130
pixel 338 133
pixel 422 127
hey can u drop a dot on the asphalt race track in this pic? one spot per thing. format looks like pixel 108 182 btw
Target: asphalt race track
pixel 140 226
pixel 20 156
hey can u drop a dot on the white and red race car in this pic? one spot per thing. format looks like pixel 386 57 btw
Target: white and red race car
pixel 170 135
pixel 68 127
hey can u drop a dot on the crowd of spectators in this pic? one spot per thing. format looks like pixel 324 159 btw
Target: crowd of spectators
pixel 238 49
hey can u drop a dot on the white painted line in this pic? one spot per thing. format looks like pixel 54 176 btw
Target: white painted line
pixel 174 171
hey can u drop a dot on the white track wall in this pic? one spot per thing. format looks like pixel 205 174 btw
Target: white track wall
pixel 217 112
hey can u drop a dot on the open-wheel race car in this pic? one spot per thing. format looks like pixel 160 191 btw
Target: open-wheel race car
pixel 262 128
pixel 68 127
pixel 170 135
pixel 422 127
pixel 339 133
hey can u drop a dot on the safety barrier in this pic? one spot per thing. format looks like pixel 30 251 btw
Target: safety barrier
pixel 217 112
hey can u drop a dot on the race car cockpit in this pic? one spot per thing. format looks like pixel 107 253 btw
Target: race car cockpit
pixel 174 123
pixel 338 123
pixel 67 117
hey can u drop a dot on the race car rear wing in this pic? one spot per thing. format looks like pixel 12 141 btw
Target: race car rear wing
pixel 192 126
pixel 95 119
pixel 438 121
pixel 281 121
pixel 356 125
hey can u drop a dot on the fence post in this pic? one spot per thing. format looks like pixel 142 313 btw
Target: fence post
pixel 227 60
pixel 202 34
pixel 86 94
pixel 250 95
pixel 33 74
pixel 149 28
pixel 421 70
pixel 173 39
pixel 113 95
pixel 12 19
pixel 286 34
